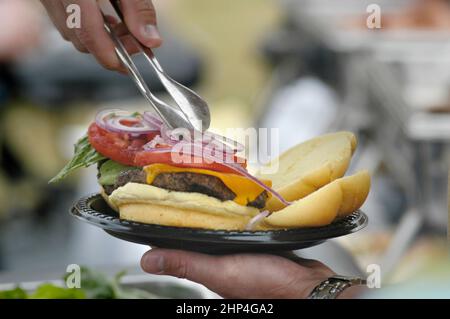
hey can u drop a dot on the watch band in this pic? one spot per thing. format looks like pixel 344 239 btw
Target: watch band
pixel 332 287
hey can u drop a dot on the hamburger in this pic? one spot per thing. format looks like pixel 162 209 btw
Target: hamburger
pixel 151 174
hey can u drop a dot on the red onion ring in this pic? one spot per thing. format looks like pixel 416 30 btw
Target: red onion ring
pixel 205 137
pixel 255 221
pixel 219 154
pixel 152 119
pixel 238 147
pixel 218 145
pixel 111 120
pixel 100 117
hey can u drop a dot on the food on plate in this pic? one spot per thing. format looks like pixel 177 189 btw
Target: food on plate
pixel 151 174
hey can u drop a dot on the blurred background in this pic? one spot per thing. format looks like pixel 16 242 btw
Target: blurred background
pixel 306 67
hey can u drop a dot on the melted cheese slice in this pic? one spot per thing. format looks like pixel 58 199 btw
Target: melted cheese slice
pixel 246 190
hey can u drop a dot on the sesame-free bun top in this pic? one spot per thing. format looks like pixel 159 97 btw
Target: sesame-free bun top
pixel 308 166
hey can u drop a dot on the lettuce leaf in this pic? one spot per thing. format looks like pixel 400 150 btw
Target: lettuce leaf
pixel 16 293
pixel 44 291
pixel 97 285
pixel 49 291
pixel 85 156
pixel 110 170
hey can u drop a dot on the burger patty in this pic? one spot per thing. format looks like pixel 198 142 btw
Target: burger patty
pixel 130 176
pixel 194 183
pixel 184 182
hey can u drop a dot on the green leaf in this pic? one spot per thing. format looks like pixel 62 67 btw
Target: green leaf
pixel 16 293
pixel 121 292
pixel 85 156
pixel 95 284
pixel 110 170
pixel 50 291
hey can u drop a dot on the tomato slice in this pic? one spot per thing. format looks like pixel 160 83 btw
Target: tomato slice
pixel 128 150
pixel 116 146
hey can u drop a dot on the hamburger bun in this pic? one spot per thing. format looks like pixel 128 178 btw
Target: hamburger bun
pixel 355 190
pixel 337 199
pixel 153 205
pixel 305 168
pixel 150 213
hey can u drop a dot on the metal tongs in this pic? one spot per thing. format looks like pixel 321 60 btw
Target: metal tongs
pixel 191 111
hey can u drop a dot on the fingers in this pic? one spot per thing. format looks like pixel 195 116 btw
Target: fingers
pixel 235 276
pixel 57 13
pixel 122 31
pixel 55 10
pixel 92 34
pixel 140 18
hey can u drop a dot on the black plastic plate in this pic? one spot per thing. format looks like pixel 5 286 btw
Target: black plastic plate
pixel 94 210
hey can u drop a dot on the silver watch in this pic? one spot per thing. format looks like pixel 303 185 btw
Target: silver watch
pixel 334 286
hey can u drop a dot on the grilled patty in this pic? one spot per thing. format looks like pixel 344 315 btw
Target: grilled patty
pixel 184 182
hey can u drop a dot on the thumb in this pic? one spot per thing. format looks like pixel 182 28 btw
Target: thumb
pixel 140 18
pixel 200 268
pixel 193 266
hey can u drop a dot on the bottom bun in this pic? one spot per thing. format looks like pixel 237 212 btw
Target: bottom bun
pixel 152 205
pixel 179 217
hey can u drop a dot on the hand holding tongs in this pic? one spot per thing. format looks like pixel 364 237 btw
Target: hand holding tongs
pixel 191 110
